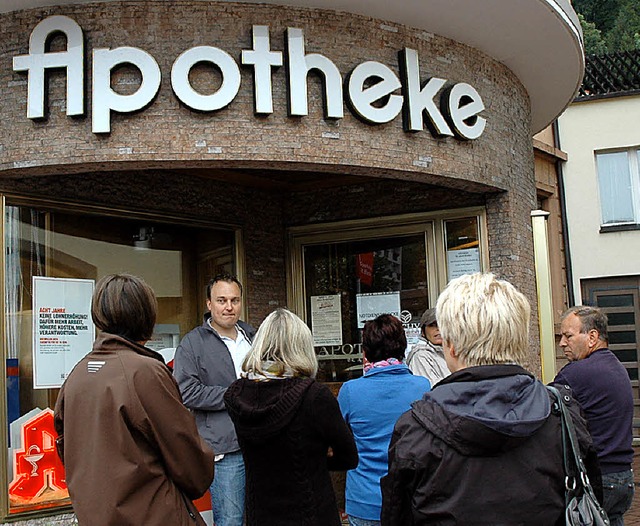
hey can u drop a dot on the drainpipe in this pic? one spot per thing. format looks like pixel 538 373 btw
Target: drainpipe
pixel 563 215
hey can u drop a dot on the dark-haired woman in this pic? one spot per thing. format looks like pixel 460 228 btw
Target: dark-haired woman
pixel 371 405
pixel 131 450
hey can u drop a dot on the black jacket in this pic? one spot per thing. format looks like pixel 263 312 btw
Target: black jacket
pixel 285 428
pixel 483 448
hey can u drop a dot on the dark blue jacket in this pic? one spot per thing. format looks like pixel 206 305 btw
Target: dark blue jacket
pixel 601 385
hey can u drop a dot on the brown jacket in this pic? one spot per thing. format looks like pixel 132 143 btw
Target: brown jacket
pixel 131 449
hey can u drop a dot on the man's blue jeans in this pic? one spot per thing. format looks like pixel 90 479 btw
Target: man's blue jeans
pixel 618 491
pixel 357 521
pixel 227 491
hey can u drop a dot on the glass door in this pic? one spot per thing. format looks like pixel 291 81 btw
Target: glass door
pixel 356 281
pixel 342 274
pixel 58 254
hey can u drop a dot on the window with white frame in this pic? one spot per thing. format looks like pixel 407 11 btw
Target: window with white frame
pixel 619 185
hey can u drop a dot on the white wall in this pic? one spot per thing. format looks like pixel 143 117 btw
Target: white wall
pixel 585 128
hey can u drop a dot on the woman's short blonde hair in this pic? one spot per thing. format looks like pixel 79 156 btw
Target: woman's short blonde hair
pixel 485 319
pixel 284 339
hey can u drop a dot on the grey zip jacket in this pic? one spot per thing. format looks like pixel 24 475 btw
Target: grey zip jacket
pixel 203 368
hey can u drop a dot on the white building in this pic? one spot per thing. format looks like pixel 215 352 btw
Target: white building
pixel 600 134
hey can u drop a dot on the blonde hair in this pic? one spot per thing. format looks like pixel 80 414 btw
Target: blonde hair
pixel 285 339
pixel 485 319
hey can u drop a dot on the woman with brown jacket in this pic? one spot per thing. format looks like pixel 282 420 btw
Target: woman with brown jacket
pixel 131 450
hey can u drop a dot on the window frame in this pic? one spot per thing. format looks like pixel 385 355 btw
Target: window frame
pixel 431 224
pixel 633 160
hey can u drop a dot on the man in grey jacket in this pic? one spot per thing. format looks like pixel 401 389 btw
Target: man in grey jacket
pixel 207 361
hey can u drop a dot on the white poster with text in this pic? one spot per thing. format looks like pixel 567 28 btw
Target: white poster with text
pixel 371 305
pixel 326 320
pixel 63 331
pixel 461 262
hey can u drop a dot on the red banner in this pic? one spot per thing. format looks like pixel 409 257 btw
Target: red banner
pixel 364 268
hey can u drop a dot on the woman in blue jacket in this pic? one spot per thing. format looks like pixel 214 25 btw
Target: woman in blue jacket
pixel 371 405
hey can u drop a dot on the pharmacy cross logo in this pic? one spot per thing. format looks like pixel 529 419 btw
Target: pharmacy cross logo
pixel 36 465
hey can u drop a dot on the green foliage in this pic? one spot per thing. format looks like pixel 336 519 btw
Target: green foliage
pixel 593 41
pixel 602 13
pixel 625 34
pixel 609 25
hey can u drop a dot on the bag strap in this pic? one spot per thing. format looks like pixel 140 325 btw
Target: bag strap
pixel 569 429
pixel 573 483
pixel 581 478
pixel 569 479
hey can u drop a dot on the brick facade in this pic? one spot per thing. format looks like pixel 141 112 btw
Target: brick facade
pixel 169 133
pixel 170 159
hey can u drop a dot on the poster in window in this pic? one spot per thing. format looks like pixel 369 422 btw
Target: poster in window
pixel 164 340
pixel 364 268
pixel 372 305
pixel 463 261
pixel 326 320
pixel 63 331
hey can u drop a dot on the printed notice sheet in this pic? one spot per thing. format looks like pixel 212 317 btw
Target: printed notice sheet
pixel 63 331
pixel 370 306
pixel 326 320
pixel 461 262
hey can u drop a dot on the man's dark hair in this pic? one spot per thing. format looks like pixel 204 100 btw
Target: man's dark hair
pixel 384 338
pixel 590 318
pixel 229 278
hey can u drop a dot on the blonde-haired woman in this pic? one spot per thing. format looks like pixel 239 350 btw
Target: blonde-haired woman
pixel 484 446
pixel 290 429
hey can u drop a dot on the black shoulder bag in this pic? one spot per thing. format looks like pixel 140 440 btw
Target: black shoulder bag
pixel 581 505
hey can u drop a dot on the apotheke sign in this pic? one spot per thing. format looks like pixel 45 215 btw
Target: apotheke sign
pixel 371 87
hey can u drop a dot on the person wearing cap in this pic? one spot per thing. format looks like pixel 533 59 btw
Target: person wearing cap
pixel 426 358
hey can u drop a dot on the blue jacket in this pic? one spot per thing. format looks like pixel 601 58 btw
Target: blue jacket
pixel 371 405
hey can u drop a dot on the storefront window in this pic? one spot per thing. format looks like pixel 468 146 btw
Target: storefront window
pixel 463 247
pixel 52 260
pixel 343 274
pixel 350 283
